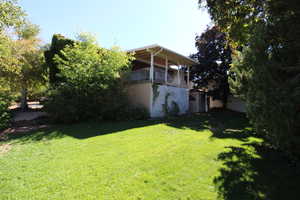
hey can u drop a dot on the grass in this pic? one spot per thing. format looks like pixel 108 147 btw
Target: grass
pixel 200 157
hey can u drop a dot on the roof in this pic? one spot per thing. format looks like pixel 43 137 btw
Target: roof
pixel 174 58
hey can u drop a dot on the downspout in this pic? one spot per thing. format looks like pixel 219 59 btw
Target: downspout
pixel 188 85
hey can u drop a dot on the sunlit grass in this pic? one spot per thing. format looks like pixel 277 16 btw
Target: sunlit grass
pixel 174 159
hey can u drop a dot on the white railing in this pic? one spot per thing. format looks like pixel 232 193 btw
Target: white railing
pixel 139 75
pixel 159 77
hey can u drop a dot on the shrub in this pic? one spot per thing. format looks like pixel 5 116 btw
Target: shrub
pixel 92 87
pixel 128 113
pixel 4 112
pixel 67 104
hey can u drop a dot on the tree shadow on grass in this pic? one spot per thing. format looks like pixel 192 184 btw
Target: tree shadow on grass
pixel 256 172
pixel 79 131
pixel 222 123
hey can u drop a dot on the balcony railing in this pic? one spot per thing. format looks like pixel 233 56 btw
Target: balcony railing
pixel 139 75
pixel 159 77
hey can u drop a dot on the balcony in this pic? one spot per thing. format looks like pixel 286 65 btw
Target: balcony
pixel 141 75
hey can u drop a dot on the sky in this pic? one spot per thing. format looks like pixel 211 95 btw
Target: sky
pixel 126 23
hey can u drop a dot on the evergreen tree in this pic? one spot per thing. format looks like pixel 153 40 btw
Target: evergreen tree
pixel 58 43
pixel 265 35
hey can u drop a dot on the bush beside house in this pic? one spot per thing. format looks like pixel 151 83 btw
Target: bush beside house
pixel 4 112
pixel 92 87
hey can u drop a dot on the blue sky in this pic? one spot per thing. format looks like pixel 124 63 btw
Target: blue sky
pixel 126 23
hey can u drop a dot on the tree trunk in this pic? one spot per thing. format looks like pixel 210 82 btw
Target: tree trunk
pixel 24 104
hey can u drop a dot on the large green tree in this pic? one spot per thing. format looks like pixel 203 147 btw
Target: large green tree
pixel 265 35
pixel 27 69
pixel 11 18
pixel 90 86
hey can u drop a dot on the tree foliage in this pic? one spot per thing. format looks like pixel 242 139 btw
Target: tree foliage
pixel 58 43
pixel 267 63
pixel 25 67
pixel 214 57
pixel 11 15
pixel 85 61
pixel 21 60
pixel 92 87
pixel 28 31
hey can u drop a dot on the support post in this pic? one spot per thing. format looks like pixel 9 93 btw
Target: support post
pixel 151 67
pixel 178 75
pixel 166 70
pixel 188 77
pixel 206 102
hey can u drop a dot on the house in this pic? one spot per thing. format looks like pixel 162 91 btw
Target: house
pixel 200 101
pixel 236 104
pixel 159 80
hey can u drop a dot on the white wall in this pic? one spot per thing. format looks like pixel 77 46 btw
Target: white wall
pixel 236 104
pixel 194 104
pixel 139 94
pixel 163 94
pixel 215 103
pixel 154 97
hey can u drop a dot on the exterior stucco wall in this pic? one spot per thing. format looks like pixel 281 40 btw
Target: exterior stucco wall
pixel 215 103
pixel 168 99
pixel 140 94
pixel 198 102
pixel 236 104
pixel 194 103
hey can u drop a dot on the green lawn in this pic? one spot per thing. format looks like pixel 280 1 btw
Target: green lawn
pixel 198 157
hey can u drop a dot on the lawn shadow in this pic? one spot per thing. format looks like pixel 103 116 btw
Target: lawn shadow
pixel 222 123
pixel 256 172
pixel 79 131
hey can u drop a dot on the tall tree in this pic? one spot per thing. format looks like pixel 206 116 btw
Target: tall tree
pixel 59 42
pixel 20 59
pixel 265 35
pixel 11 17
pixel 27 69
pixel 32 67
pixel 214 57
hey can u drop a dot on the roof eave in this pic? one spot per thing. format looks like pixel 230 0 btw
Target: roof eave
pixel 188 60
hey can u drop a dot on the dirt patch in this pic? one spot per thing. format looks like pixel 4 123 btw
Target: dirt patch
pixel 24 129
pixel 4 148
pixel 4 135
pixel 28 116
pixel 34 105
